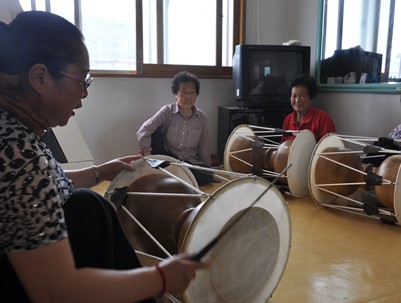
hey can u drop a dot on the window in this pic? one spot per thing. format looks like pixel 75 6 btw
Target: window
pixel 371 25
pixel 154 38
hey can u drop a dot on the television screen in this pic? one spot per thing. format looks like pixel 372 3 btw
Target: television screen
pixel 261 73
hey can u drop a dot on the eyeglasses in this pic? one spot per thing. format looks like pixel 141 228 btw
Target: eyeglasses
pixel 84 83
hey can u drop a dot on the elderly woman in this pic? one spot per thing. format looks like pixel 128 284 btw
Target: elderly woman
pixel 179 129
pixel 60 242
pixel 303 90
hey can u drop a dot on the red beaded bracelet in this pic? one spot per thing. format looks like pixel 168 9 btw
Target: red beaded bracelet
pixel 163 278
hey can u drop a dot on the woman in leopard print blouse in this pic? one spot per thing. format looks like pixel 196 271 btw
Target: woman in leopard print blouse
pixel 60 242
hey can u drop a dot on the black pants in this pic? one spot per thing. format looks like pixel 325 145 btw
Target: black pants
pixel 97 240
pixel 158 148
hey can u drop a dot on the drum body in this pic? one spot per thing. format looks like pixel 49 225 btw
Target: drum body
pixel 337 174
pixel 390 196
pixel 160 215
pixel 243 138
pixel 247 263
pixel 150 180
pixel 245 152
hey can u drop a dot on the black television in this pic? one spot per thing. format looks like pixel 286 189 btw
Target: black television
pixel 261 73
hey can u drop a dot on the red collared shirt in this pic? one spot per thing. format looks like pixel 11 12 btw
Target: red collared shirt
pixel 317 121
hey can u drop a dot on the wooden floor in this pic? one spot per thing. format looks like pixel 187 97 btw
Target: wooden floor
pixel 340 257
pixel 336 256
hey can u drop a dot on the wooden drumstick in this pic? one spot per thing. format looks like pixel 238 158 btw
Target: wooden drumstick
pixel 213 242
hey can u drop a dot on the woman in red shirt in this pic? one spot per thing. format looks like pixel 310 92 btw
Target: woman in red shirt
pixel 303 91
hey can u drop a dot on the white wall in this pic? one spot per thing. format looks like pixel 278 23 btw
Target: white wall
pixel 266 21
pixel 116 107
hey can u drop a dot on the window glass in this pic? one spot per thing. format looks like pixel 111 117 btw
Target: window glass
pixel 149 32
pixel 40 5
pixel 353 19
pixel 228 22
pixel 331 28
pixel 63 8
pixel 383 29
pixel 175 32
pixel 395 62
pixel 190 32
pixel 26 5
pixel 109 32
pixel 368 24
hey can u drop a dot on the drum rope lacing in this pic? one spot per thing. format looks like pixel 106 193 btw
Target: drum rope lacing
pixel 180 180
pixel 264 171
pixel 360 141
pixel 218 171
pixel 382 211
pixel 349 167
pixel 146 231
pixel 274 145
pixel 167 295
pixel 352 209
pixel 120 193
pixel 273 132
pixel 157 164
pixel 368 148
pixel 138 193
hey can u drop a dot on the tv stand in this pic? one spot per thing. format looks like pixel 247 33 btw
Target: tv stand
pixel 231 116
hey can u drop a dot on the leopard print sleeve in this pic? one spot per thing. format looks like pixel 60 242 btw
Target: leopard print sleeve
pixel 32 192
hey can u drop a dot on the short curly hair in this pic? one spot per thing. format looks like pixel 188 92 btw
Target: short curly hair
pixel 184 76
pixel 305 80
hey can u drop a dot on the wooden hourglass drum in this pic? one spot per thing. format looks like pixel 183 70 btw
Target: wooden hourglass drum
pixel 251 149
pixel 245 265
pixel 338 178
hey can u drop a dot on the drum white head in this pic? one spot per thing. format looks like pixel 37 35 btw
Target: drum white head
pixel 397 196
pixel 242 130
pixel 299 156
pixel 249 260
pixel 319 196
